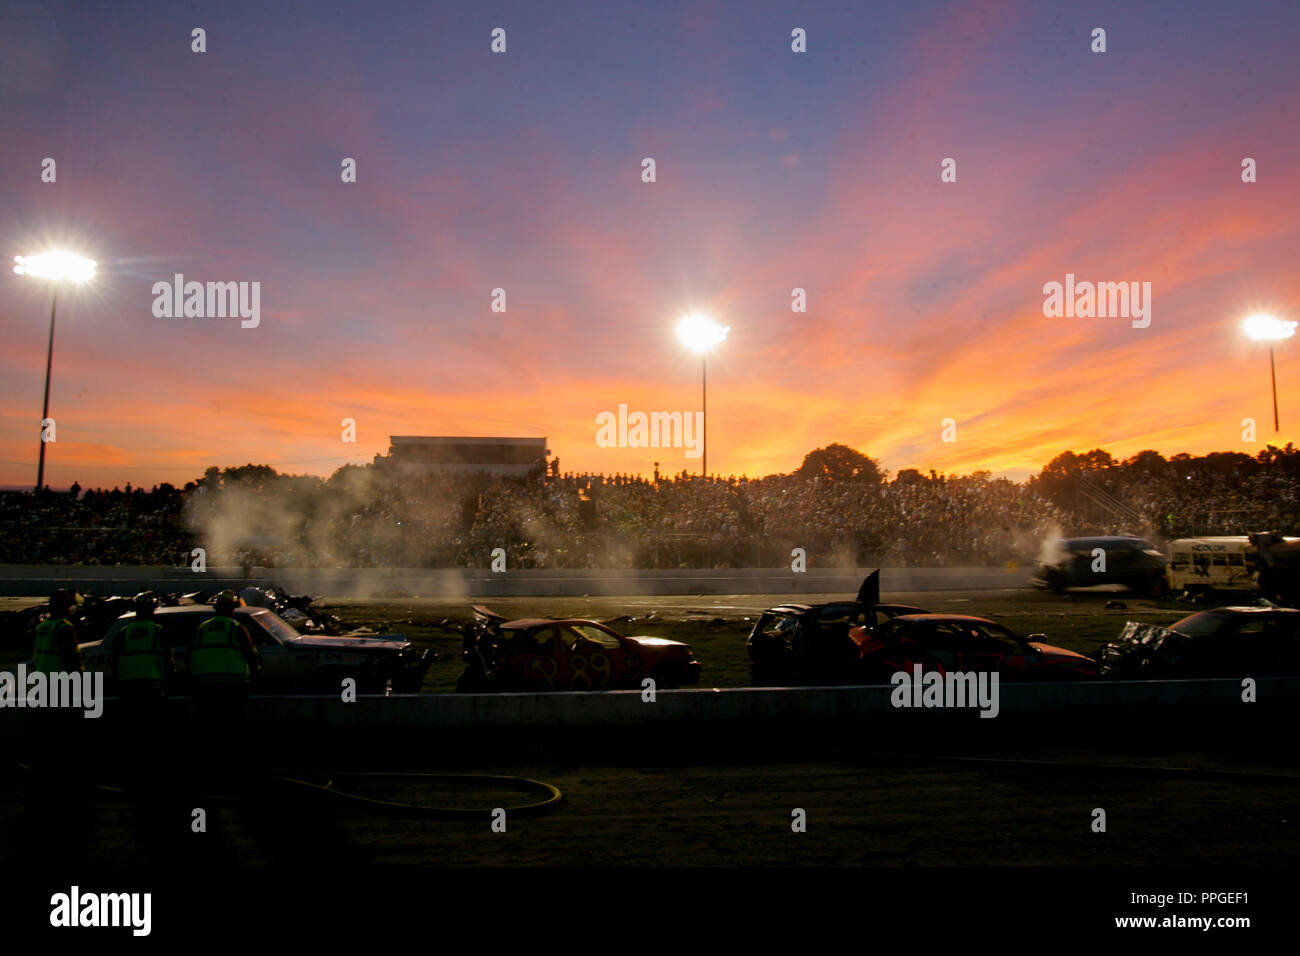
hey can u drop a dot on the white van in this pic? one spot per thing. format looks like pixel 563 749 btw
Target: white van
pixel 1205 564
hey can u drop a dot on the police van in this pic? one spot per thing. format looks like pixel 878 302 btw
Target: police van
pixel 1221 563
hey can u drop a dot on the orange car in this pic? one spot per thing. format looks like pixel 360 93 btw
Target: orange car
pixel 958 642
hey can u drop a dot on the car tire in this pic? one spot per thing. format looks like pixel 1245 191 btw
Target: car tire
pixel 1157 588
pixel 469 683
pixel 1273 584
pixel 876 672
pixel 330 681
pixel 666 676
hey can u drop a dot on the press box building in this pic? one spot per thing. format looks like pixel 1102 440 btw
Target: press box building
pixel 445 455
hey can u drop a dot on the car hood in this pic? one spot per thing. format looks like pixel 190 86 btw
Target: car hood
pixel 379 642
pixel 656 642
pixel 1136 633
pixel 1051 650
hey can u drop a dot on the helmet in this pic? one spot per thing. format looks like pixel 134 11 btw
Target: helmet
pixel 63 599
pixel 227 601
pixel 145 602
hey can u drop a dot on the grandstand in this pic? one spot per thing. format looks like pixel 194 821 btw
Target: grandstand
pixel 503 457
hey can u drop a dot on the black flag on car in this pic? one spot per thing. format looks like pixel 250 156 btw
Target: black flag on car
pixel 869 593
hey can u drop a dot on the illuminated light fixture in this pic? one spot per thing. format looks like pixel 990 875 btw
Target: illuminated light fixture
pixel 56 264
pixel 1267 328
pixel 699 333
pixel 60 266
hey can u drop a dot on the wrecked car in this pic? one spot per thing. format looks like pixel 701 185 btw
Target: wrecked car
pixel 297 609
pixel 810 643
pixel 945 643
pixel 291 662
pixel 1224 642
pixel 1275 566
pixel 542 654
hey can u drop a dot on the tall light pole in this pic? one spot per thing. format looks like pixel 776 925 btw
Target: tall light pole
pixel 700 333
pixel 58 266
pixel 1266 328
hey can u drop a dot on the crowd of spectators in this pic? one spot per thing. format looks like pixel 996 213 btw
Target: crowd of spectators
pixel 122 526
pixel 1182 496
pixel 374 517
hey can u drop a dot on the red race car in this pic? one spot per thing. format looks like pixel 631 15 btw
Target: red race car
pixel 540 654
pixel 958 642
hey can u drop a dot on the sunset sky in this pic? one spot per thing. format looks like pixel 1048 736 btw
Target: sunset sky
pixel 522 171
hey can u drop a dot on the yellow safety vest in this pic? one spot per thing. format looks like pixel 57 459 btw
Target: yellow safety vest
pixel 217 654
pixel 140 653
pixel 48 656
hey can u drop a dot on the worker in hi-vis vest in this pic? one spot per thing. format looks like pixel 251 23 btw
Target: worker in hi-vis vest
pixel 223 659
pixel 53 729
pixel 141 662
pixel 58 820
pixel 222 664
pixel 56 639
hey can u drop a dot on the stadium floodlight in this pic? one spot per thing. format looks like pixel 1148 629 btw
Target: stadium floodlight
pixel 1268 328
pixel 58 266
pixel 700 333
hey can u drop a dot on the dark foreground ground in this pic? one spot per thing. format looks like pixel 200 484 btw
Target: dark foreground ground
pixel 860 811
pixel 1170 798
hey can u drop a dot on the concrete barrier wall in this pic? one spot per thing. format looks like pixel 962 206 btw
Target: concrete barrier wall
pixel 762 725
pixel 759 707
pixel 21 580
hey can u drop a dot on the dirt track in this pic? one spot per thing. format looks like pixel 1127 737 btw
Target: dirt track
pixel 859 813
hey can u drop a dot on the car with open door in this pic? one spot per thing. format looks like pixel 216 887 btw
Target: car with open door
pixel 801 644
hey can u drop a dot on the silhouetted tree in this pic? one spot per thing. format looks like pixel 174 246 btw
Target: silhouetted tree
pixel 839 463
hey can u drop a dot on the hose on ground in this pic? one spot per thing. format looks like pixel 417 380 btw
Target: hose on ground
pixel 295 778
pixel 551 792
